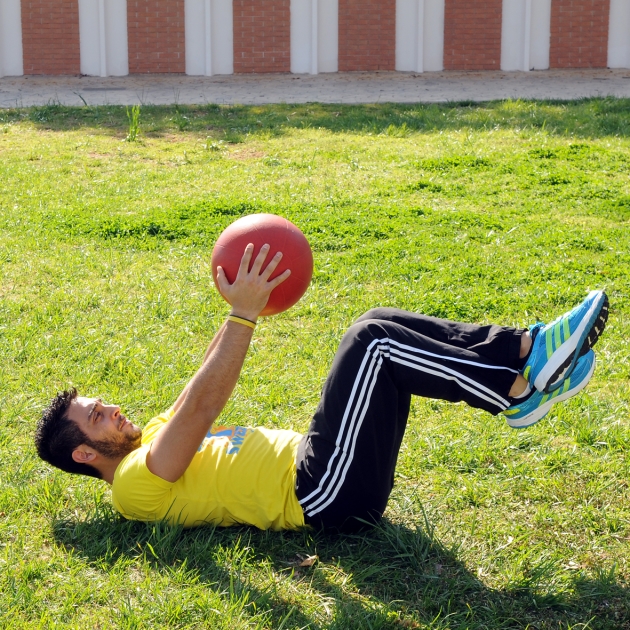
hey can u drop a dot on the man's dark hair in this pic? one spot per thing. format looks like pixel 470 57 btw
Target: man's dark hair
pixel 57 436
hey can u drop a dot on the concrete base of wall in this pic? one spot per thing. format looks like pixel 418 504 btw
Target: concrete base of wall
pixel 350 87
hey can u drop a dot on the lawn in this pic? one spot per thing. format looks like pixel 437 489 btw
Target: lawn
pixel 505 212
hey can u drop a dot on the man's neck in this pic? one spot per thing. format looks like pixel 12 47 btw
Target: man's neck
pixel 107 468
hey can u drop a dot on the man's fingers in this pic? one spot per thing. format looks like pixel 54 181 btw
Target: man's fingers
pixel 260 259
pixel 271 267
pixel 245 260
pixel 281 278
pixel 222 281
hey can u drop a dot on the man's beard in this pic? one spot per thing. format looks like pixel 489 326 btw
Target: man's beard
pixel 118 446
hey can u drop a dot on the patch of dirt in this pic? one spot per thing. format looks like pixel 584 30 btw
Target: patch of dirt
pixel 246 154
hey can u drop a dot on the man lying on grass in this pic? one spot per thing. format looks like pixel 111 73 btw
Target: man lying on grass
pixel 184 469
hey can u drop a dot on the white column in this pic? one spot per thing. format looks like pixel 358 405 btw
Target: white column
pixel 209 37
pixel 302 40
pixel 11 59
pixel 540 35
pixel 314 34
pixel 195 37
pixel 222 37
pixel 525 34
pixel 515 36
pixel 433 35
pixel 619 34
pixel 420 35
pixel 407 35
pixel 103 37
pixel 327 35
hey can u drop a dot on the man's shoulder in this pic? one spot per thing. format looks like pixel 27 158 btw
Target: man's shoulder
pixel 150 431
pixel 133 469
pixel 131 464
pixel 136 491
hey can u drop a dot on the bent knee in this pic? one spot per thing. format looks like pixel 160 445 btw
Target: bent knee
pixel 381 312
pixel 364 330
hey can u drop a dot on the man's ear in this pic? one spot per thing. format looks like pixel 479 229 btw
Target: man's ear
pixel 83 454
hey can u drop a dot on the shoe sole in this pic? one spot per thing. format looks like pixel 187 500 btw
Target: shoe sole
pixel 591 339
pixel 563 360
pixel 596 330
pixel 540 412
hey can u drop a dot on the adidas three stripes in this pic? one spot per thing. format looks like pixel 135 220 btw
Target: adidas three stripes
pixel 346 462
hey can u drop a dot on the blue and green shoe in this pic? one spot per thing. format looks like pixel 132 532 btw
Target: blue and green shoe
pixel 557 347
pixel 538 405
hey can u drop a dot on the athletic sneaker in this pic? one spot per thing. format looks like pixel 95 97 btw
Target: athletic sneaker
pixel 556 347
pixel 538 405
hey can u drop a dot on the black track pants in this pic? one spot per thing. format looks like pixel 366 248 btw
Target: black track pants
pixel 346 462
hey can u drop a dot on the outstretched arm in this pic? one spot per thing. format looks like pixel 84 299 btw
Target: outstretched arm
pixel 209 390
pixel 206 356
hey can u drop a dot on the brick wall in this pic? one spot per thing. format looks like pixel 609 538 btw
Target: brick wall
pixel 472 34
pixel 262 35
pixel 579 33
pixel 367 35
pixel 50 37
pixel 156 36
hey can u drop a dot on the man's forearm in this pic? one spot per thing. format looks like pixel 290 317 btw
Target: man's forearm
pixel 212 385
pixel 206 356
pixel 205 398
pixel 213 343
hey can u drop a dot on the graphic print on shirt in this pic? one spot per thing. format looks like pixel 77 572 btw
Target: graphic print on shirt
pixel 234 437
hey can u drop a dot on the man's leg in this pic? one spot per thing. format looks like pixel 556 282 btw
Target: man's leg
pixel 346 461
pixel 496 343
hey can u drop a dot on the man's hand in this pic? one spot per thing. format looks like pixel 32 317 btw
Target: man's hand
pixel 250 292
pixel 207 393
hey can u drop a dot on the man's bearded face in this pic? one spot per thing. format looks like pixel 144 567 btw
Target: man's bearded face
pixel 118 445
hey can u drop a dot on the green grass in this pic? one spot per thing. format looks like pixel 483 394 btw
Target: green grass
pixel 502 212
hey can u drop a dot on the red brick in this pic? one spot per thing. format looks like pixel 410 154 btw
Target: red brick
pixel 262 35
pixel 50 37
pixel 472 35
pixel 156 36
pixel 579 33
pixel 367 37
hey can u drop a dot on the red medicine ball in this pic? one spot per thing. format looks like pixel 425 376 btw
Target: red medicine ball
pixel 282 236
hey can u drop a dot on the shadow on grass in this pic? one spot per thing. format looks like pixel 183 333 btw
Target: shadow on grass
pixel 586 118
pixel 390 576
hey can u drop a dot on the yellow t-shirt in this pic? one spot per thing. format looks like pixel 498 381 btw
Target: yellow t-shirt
pixel 239 475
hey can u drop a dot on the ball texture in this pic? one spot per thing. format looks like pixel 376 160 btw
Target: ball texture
pixel 282 236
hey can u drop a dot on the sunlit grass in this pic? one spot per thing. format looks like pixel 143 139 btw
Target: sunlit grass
pixel 504 212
